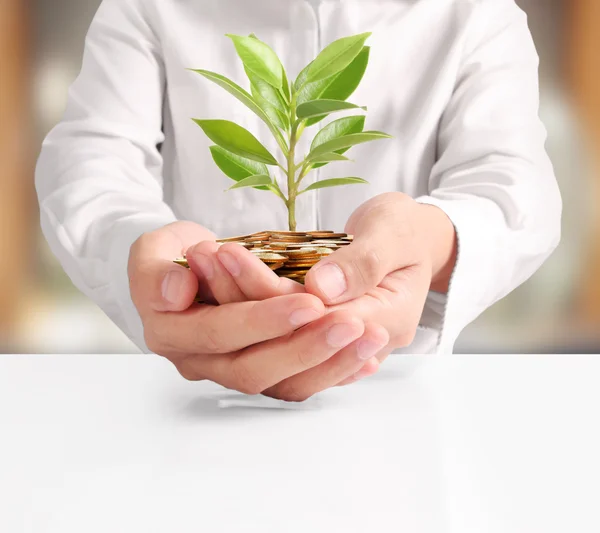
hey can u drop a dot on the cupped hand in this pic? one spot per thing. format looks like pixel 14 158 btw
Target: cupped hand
pixel 401 250
pixel 284 345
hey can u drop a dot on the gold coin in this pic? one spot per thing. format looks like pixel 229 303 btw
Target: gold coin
pixel 234 239
pixel 324 251
pixel 291 270
pixel 289 239
pixel 182 262
pixel 300 265
pixel 310 261
pixel 308 257
pixel 288 234
pixel 299 245
pixel 324 233
pixel 275 266
pixel 303 252
pixel 333 235
pixel 270 257
pixel 325 245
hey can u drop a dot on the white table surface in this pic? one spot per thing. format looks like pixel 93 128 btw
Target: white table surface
pixel 462 444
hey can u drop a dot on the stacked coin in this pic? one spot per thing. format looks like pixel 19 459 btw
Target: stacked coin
pixel 290 254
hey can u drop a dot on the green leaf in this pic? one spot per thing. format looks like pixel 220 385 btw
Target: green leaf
pixel 259 58
pixel 331 88
pixel 334 182
pixel 285 90
pixel 266 92
pixel 235 167
pixel 301 83
pixel 252 181
pixel 338 128
pixel 244 97
pixel 236 139
pixel 335 57
pixel 347 141
pixel 286 87
pixel 318 108
pixel 329 157
pixel 345 83
pixel 281 120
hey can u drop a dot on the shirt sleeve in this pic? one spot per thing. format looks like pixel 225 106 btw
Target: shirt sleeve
pixel 493 177
pixel 99 174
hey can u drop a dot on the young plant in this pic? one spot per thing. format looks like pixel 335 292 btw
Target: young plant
pixel 321 89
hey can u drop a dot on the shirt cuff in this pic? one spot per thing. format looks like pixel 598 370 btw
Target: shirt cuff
pixel 472 280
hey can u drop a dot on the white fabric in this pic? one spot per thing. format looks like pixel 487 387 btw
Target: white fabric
pixel 454 81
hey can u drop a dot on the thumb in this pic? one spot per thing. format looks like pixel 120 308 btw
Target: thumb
pixel 380 247
pixel 156 283
pixel 349 272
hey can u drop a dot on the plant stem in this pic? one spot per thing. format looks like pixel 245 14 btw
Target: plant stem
pixel 291 170
pixel 291 175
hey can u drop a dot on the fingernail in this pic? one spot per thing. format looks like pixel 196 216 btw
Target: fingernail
pixel 171 286
pixel 301 317
pixel 367 349
pixel 205 265
pixel 331 281
pixel 341 335
pixel 231 264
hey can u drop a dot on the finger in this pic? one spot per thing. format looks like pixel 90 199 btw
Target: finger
pixel 156 283
pixel 260 367
pixel 396 304
pixel 353 270
pixel 254 278
pixel 203 261
pixel 382 244
pixel 345 364
pixel 231 327
pixel 371 367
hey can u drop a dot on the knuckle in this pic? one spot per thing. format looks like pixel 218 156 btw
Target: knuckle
pixel 368 266
pixel 209 340
pixel 307 357
pixel 246 381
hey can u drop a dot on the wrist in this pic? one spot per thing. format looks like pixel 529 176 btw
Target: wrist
pixel 439 237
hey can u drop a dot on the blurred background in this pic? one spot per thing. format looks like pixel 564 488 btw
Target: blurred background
pixel 557 311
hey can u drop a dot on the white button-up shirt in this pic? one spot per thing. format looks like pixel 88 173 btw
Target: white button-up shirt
pixel 454 81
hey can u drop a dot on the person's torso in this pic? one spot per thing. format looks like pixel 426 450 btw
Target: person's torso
pixel 416 51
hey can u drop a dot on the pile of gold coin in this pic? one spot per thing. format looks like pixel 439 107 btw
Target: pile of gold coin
pixel 290 254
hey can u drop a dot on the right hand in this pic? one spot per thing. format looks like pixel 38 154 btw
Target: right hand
pixel 249 345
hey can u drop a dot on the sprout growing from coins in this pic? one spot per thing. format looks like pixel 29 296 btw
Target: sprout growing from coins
pixel 287 109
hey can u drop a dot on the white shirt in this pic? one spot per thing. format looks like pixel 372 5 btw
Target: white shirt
pixel 454 81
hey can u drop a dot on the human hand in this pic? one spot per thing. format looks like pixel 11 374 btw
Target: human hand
pixel 401 250
pixel 253 346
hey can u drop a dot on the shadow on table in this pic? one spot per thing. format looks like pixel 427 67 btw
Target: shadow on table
pixel 229 405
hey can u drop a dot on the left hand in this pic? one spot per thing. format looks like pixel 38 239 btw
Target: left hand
pixel 401 250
